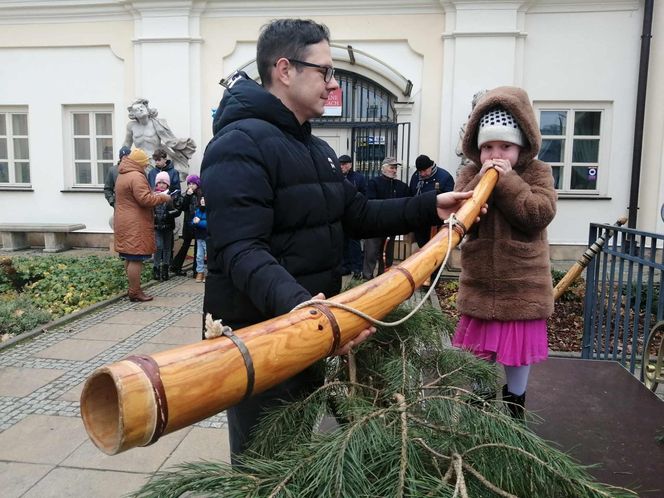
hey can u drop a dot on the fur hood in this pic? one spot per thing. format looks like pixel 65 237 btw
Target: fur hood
pixel 516 101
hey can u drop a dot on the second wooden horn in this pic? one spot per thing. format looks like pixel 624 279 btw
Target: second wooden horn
pixel 576 269
pixel 135 401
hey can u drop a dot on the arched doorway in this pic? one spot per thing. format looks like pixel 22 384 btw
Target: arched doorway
pixel 362 123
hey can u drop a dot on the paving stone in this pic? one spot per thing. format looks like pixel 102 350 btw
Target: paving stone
pixel 201 444
pixel 109 331
pixel 42 439
pixel 16 478
pixel 190 287
pixel 146 459
pixel 65 482
pixel 178 335
pixel 169 301
pixel 136 317
pixel 73 394
pixel 76 349
pixel 151 348
pixel 193 320
pixel 16 381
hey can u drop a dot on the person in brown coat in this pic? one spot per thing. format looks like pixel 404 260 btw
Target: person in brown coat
pixel 134 220
pixel 505 290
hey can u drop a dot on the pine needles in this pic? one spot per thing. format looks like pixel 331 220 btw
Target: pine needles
pixel 408 425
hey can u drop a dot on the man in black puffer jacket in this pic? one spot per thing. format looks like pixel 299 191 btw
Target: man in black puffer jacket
pixel 278 203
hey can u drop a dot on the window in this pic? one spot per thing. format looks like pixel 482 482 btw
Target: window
pixel 14 148
pixel 573 143
pixel 91 146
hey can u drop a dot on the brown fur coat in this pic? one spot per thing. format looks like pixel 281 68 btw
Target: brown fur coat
pixel 133 220
pixel 506 272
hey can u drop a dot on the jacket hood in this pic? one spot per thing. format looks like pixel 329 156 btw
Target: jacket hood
pixel 244 99
pixel 516 101
pixel 127 165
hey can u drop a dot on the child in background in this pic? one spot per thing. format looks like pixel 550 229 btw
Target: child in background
pixel 199 225
pixel 164 224
pixel 505 290
pixel 188 203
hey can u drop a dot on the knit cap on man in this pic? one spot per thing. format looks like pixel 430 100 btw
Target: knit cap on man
pixel 499 125
pixel 162 176
pixel 139 157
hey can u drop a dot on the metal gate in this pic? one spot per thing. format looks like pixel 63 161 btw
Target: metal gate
pixel 371 143
pixel 623 295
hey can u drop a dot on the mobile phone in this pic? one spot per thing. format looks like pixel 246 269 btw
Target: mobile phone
pixel 177 191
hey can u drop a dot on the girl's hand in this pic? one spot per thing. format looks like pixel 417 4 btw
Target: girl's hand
pixel 502 166
pixel 196 219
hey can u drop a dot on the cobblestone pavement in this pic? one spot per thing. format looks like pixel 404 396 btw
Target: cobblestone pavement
pixel 44 449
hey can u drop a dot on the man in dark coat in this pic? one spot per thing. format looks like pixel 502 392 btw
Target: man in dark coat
pixel 278 204
pixel 112 177
pixel 428 177
pixel 352 262
pixel 384 186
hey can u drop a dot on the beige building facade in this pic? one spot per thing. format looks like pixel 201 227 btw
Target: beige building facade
pixel 69 69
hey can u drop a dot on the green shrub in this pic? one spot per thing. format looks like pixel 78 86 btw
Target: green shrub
pixel 19 313
pixel 58 285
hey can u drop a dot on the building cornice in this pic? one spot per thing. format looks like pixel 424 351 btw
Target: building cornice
pixel 43 11
pixel 59 11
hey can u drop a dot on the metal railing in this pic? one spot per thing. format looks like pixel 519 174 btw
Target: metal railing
pixel 623 299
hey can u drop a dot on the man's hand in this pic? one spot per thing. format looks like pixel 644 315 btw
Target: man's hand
pixel 450 202
pixel 363 336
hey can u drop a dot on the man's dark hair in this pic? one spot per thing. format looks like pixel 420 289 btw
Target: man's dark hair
pixel 288 38
pixel 159 154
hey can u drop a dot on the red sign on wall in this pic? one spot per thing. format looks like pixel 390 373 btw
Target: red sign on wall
pixel 333 104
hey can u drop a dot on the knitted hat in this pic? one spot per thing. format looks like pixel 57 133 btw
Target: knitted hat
pixel 195 179
pixel 423 162
pixel 139 157
pixel 162 176
pixel 124 151
pixel 498 124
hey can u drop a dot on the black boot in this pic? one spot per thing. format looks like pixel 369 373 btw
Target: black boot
pixel 164 273
pixel 156 274
pixel 515 404
pixel 483 394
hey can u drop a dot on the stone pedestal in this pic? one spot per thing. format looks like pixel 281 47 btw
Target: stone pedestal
pixel 14 241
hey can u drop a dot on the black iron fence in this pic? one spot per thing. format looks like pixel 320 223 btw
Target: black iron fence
pixel 623 300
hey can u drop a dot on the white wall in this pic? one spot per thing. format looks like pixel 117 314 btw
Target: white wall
pixel 589 56
pixel 45 79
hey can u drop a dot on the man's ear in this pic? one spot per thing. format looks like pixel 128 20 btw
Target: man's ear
pixel 281 71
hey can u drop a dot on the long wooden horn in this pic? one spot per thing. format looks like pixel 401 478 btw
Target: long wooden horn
pixel 135 401
pixel 581 263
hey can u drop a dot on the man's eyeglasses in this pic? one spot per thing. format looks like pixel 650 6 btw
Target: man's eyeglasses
pixel 329 70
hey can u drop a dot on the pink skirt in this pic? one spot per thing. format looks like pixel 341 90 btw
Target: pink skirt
pixel 514 343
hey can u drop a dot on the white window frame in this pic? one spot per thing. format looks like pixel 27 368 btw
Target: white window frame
pixel 603 170
pixel 5 113
pixel 70 160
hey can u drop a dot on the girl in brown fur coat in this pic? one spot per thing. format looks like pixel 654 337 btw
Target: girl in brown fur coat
pixel 505 290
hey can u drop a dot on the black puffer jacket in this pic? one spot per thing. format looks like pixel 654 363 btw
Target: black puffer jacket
pixel 278 206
